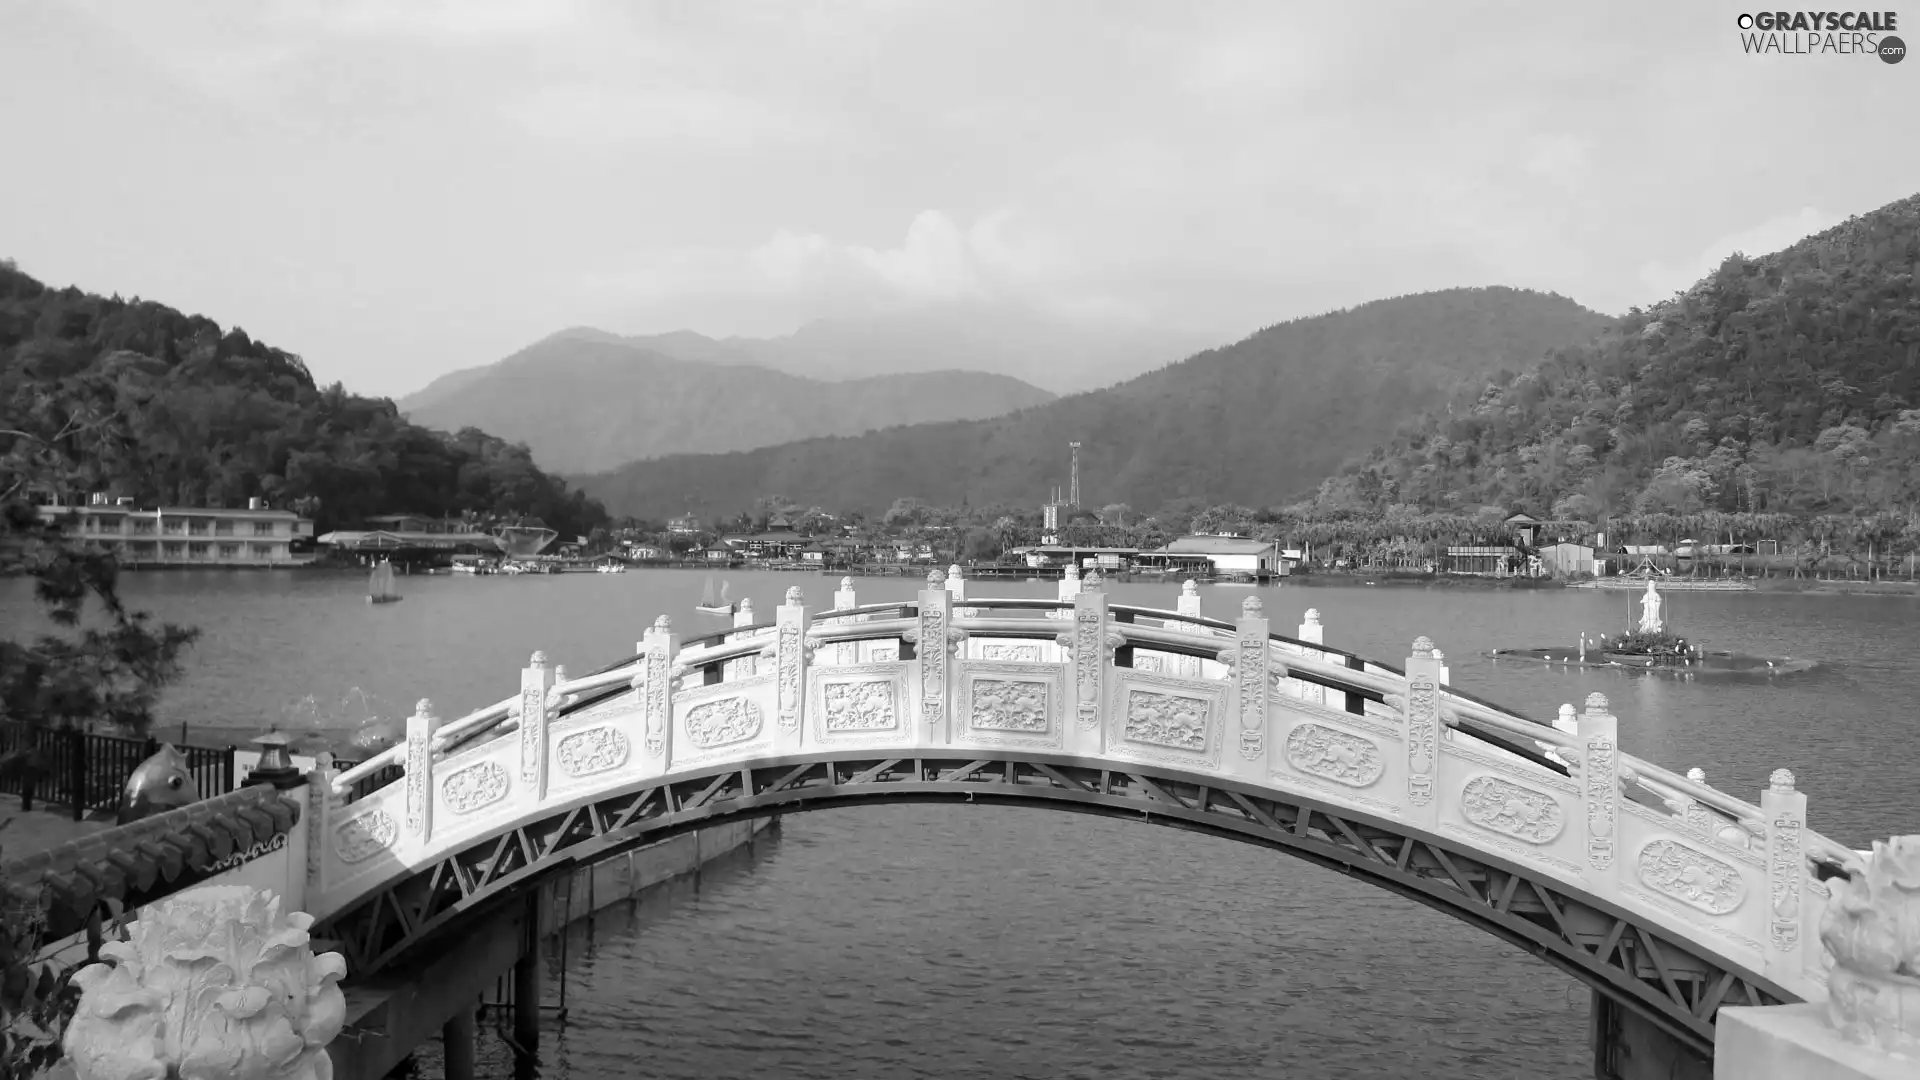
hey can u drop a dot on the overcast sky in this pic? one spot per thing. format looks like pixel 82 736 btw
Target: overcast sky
pixel 395 190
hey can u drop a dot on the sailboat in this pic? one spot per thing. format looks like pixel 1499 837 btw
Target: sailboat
pixel 380 585
pixel 715 606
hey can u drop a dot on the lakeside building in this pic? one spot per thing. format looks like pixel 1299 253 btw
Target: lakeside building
pixel 1230 554
pixel 258 536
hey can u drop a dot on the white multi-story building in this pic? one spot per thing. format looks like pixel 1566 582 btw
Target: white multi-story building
pixel 187 536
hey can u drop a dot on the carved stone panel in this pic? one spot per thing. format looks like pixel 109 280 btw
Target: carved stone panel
pixel 1692 877
pixel 365 835
pixel 592 750
pixel 790 652
pixel 1012 704
pixel 1340 756
pixel 474 787
pixel 1502 806
pixel 722 722
pixel 865 702
pixel 1599 771
pixel 934 663
pixel 1157 718
pixel 1423 716
pixel 1089 660
pixel 657 694
pixel 1785 870
pixel 1023 652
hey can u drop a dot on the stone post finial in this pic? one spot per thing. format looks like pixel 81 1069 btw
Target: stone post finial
pixel 1252 605
pixel 1872 927
pixel 1438 655
pixel 663 624
pixel 1189 588
pixel 953 570
pixel 846 583
pixel 1073 570
pixel 1780 780
pixel 211 981
pixel 424 707
pixel 937 578
pixel 1423 646
pixel 1697 775
pixel 1596 703
pixel 538 659
pixel 1566 717
pixel 795 596
pixel 746 604
pixel 1093 579
pixel 1312 616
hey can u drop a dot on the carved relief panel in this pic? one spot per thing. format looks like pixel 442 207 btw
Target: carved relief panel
pixel 724 720
pixel 1011 704
pixel 1156 718
pixel 862 703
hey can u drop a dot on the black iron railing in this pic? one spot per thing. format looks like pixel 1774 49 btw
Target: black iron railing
pixel 84 771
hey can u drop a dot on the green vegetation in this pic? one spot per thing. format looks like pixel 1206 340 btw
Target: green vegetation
pixel 1779 398
pixel 210 418
pixel 1255 422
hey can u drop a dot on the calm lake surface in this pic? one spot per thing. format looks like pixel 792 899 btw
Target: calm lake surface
pixel 946 942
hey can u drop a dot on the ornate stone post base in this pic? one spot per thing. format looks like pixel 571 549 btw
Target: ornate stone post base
pixel 1795 1042
pixel 215 982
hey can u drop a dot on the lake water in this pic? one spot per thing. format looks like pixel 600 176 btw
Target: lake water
pixel 1003 943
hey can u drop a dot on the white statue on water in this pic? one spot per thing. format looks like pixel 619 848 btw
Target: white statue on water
pixel 1650 610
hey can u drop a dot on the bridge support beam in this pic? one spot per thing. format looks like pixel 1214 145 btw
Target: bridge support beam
pixel 526 982
pixel 456 1038
pixel 1627 1046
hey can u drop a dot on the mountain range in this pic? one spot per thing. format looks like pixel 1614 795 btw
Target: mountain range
pixel 1253 422
pixel 585 400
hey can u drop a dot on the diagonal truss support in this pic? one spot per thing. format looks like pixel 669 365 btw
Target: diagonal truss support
pixel 1671 982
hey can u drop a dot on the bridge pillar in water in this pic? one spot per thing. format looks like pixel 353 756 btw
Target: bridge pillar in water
pixel 1088 644
pixel 1425 729
pixel 537 681
pixel 790 668
pixel 456 1044
pixel 1627 1046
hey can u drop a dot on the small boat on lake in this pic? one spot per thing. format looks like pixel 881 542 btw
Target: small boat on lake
pixel 716 605
pixel 380 586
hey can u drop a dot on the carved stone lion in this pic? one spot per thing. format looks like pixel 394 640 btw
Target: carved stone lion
pixel 214 983
pixel 1872 927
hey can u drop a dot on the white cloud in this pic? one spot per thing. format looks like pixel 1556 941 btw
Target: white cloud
pixel 1667 278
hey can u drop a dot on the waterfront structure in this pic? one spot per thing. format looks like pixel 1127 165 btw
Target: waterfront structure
pixel 1566 559
pixel 1670 898
pixel 257 536
pixel 1231 554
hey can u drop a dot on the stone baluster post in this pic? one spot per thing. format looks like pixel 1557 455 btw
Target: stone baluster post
pixel 1252 683
pixel 843 597
pixel 1311 631
pixel 536 686
pixel 660 646
pixel 1091 672
pixel 1069 588
pixel 323 807
pixel 1422 714
pixel 1565 723
pixel 1785 812
pixel 743 616
pixel 559 678
pixel 1442 659
pixel 935 658
pixel 790 665
pixel 1600 786
pixel 956 584
pixel 419 790
pixel 1699 819
pixel 1188 604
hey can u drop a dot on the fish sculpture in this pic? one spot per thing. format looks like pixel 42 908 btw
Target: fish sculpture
pixel 162 782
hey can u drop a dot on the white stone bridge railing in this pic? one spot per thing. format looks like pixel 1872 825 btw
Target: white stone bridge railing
pixel 1109 685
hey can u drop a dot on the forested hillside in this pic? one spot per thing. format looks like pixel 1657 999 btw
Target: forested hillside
pixel 586 401
pixel 1254 422
pixel 210 418
pixel 1782 385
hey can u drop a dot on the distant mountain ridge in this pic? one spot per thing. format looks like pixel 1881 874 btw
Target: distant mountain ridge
pixel 1253 422
pixel 1060 356
pixel 585 400
pixel 1782 384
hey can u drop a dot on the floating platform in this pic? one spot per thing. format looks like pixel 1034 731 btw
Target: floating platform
pixel 1707 662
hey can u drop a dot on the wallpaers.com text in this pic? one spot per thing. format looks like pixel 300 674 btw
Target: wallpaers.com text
pixel 1805 33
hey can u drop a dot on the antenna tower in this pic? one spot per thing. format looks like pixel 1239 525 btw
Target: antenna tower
pixel 1073 488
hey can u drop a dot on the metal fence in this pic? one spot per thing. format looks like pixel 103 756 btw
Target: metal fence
pixel 85 772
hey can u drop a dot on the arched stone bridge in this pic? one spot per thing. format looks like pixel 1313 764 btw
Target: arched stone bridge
pixel 1666 895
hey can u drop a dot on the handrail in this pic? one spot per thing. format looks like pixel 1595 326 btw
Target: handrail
pixel 1317 663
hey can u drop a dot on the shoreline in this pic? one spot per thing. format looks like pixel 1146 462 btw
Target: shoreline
pixel 1475 581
